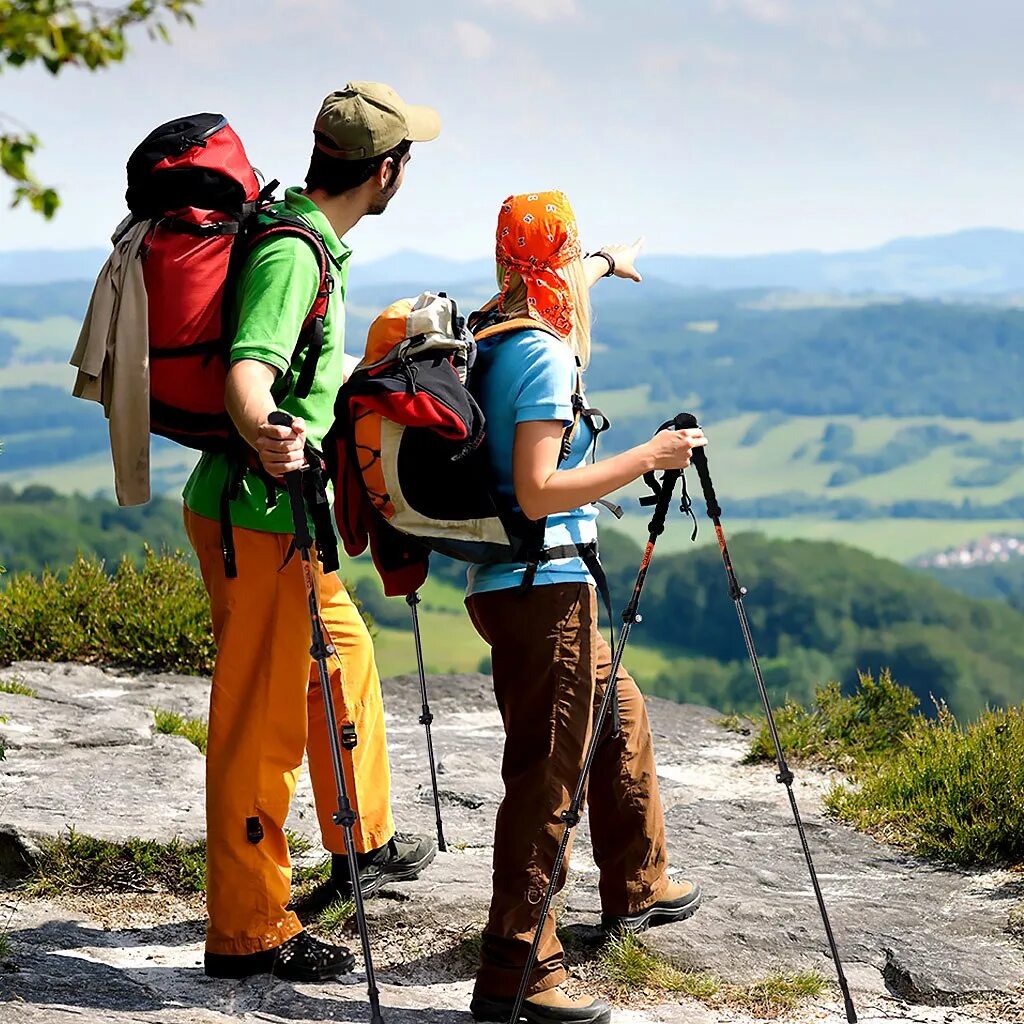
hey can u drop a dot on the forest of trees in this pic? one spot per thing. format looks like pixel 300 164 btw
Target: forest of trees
pixel 40 528
pixel 818 610
pixel 964 361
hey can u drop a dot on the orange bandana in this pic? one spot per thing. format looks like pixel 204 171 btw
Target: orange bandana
pixel 536 236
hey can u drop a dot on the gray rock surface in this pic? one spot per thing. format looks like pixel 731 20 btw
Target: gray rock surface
pixel 917 940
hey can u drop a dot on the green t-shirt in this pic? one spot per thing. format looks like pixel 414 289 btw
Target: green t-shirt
pixel 276 291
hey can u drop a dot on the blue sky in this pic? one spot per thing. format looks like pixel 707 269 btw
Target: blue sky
pixel 710 126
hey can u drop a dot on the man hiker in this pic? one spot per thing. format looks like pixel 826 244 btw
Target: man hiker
pixel 266 707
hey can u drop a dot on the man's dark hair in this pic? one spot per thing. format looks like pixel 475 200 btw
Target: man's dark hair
pixel 336 176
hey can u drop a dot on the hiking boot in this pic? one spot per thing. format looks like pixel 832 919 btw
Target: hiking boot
pixel 550 1007
pixel 680 901
pixel 400 860
pixel 301 958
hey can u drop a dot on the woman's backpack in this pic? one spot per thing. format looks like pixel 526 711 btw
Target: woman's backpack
pixel 407 452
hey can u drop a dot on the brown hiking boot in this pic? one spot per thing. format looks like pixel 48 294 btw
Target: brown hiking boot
pixel 680 901
pixel 552 1006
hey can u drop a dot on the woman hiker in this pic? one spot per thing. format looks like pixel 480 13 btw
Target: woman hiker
pixel 550 662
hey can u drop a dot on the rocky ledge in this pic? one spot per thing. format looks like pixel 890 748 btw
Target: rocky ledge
pixel 920 942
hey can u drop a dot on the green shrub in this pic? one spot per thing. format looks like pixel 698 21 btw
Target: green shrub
pixel 949 791
pixel 842 730
pixel 156 617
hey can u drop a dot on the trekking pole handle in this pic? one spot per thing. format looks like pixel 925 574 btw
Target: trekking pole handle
pixel 699 459
pixel 303 540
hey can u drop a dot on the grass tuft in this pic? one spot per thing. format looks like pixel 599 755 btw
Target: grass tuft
pixel 195 730
pixel 773 996
pixel 842 730
pixel 631 968
pixel 77 863
pixel 951 792
pixel 14 685
pixel 298 844
pixel 333 918
pixel 734 723
pixel 5 946
pixel 470 947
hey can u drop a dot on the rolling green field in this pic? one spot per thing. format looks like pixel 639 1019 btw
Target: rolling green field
pixel 450 644
pixel 53 336
pixel 752 456
pixel 786 457
pixel 902 540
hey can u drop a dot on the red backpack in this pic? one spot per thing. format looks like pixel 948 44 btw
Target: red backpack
pixel 192 179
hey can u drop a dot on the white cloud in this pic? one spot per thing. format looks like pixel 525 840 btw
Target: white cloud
pixel 474 41
pixel 767 12
pixel 842 25
pixel 538 10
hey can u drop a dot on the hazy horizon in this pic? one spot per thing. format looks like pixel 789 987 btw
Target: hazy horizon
pixel 414 250
pixel 715 128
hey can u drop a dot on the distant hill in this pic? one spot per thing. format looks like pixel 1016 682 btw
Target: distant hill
pixel 973 262
pixel 818 610
pixel 821 611
pixel 40 266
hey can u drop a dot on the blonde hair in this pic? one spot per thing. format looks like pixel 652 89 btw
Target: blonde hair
pixel 575 277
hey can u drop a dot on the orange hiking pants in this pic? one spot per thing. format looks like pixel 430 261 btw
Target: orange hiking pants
pixel 266 710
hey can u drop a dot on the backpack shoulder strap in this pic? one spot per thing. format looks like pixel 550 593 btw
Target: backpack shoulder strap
pixel 521 323
pixel 311 336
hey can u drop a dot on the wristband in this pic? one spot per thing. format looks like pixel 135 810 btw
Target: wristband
pixel 609 258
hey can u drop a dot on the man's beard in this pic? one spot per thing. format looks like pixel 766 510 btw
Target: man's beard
pixel 380 202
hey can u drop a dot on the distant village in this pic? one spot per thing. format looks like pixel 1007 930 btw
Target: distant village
pixel 983 551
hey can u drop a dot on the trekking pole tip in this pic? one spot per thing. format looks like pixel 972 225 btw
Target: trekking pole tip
pixel 851 1012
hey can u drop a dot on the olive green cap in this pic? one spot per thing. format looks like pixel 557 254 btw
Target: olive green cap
pixel 366 119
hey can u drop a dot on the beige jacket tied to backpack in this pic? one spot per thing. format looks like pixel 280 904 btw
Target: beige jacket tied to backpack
pixel 118 376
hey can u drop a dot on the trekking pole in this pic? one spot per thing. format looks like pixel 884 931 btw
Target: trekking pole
pixel 661 499
pixel 321 649
pixel 412 600
pixel 784 776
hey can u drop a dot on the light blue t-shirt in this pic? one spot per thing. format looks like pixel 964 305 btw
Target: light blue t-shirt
pixel 524 376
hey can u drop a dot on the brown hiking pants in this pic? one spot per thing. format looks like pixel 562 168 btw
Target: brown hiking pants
pixel 550 666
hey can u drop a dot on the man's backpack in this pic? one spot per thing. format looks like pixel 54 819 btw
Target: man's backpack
pixel 408 458
pixel 193 182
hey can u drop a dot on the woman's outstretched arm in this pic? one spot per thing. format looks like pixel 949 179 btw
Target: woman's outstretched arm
pixel 542 489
